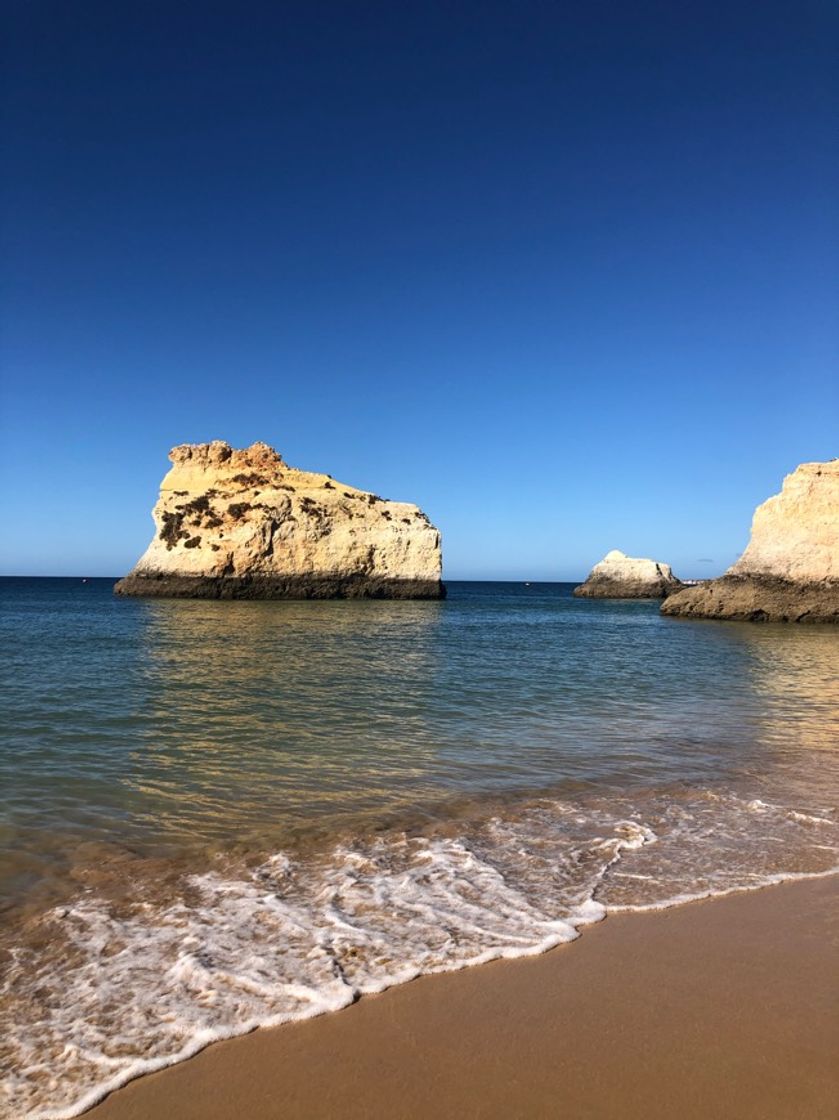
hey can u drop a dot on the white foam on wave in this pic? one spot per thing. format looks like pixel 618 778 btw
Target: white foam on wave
pixel 758 882
pixel 110 990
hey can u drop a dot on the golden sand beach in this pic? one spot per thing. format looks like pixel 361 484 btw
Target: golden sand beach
pixel 720 1010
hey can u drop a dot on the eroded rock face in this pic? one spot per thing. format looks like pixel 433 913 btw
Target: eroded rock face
pixel 618 576
pixel 790 569
pixel 242 524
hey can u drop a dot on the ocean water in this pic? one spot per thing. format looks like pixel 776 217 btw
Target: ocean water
pixel 215 816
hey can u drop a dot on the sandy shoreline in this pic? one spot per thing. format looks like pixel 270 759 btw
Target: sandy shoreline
pixel 727 1008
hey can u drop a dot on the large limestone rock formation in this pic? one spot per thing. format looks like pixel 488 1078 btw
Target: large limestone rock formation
pixel 790 569
pixel 618 576
pixel 243 524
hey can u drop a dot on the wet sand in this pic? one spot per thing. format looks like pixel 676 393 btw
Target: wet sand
pixel 720 1010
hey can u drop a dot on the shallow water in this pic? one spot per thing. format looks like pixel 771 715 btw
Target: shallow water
pixel 216 815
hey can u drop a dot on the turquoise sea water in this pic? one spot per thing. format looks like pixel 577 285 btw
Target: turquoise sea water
pixel 216 815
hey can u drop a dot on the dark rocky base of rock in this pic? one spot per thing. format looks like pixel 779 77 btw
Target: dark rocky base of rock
pixel 756 599
pixel 257 586
pixel 624 589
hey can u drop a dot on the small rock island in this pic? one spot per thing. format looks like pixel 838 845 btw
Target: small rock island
pixel 619 576
pixel 242 524
pixel 790 569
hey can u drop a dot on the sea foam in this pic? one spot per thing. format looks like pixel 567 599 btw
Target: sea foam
pixel 105 989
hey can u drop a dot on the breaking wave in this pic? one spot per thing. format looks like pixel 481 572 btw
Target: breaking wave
pixel 116 984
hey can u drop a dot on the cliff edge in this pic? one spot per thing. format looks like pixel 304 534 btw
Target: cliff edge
pixel 619 576
pixel 790 569
pixel 243 524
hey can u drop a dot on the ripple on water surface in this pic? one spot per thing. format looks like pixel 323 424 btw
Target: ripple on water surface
pixel 217 815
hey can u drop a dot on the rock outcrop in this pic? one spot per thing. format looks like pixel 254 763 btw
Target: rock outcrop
pixel 243 524
pixel 790 569
pixel 618 576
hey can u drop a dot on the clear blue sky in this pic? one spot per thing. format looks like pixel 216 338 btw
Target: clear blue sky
pixel 563 274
